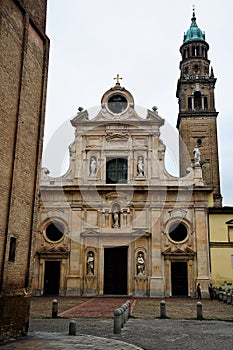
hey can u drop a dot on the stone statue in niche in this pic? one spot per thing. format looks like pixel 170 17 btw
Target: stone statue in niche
pixel 197 156
pixel 90 263
pixel 140 263
pixel 93 166
pixel 116 216
pixel 140 166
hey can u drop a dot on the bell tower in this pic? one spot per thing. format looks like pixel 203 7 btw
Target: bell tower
pixel 197 118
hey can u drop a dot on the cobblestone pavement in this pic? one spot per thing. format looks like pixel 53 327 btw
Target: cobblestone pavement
pixel 58 341
pixel 176 308
pixel 144 334
pixel 101 307
pixel 144 329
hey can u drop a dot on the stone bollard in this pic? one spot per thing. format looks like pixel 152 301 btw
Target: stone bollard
pixel 72 327
pixel 54 308
pixel 199 311
pixel 117 321
pixel 128 310
pixel 163 309
pixel 129 305
pixel 122 317
pixel 224 297
pixel 125 307
pixel 228 298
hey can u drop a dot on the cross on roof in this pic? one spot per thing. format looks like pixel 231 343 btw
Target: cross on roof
pixel 193 10
pixel 118 79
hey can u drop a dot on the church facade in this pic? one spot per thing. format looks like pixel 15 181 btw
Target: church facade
pixel 117 223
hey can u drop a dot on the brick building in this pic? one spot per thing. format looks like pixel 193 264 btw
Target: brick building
pixel 24 63
pixel 117 222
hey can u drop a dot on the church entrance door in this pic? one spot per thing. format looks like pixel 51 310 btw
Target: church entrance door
pixel 115 270
pixel 179 277
pixel 52 277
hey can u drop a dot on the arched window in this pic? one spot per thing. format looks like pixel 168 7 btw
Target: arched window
pixel 189 103
pixel 205 103
pixel 197 100
pixel 193 50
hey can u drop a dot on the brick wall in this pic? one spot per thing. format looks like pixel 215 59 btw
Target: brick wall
pixel 15 316
pixel 203 127
pixel 24 57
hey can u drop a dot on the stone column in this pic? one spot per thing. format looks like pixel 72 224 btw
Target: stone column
pixel 101 271
pixel 156 279
pixel 192 103
pixel 78 160
pixel 202 246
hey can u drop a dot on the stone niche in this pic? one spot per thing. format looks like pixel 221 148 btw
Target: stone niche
pixel 141 278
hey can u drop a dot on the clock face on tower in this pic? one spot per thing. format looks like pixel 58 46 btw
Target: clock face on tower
pixel 117 103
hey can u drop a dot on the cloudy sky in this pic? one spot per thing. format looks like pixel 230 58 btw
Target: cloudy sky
pixel 91 41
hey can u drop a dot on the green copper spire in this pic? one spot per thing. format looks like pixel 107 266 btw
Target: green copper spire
pixel 194 33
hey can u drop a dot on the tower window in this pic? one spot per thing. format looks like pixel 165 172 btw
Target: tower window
pixel 197 100
pixel 116 170
pixel 203 51
pixel 12 249
pixel 193 51
pixel 205 102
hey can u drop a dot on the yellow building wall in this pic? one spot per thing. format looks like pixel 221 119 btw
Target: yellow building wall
pixel 221 266
pixel 221 245
pixel 218 227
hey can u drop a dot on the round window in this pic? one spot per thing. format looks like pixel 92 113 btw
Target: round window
pixel 117 103
pixel 178 232
pixel 55 231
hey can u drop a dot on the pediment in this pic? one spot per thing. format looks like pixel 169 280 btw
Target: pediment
pixel 178 213
pixel 129 115
pixel 230 222
pixel 89 233
pixel 178 251
pixel 81 117
pixel 104 115
pixel 112 196
pixel 153 116
pixel 189 251
pixel 117 137
pixel 53 250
